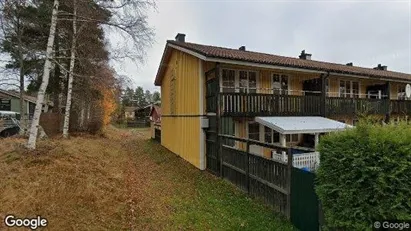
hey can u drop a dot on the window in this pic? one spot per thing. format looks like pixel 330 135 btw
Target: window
pixel 228 82
pixel 291 138
pixel 342 121
pixel 268 135
pixel 349 89
pixel 276 137
pixel 239 81
pixel 254 131
pixel 355 90
pixel 5 105
pixel 401 93
pixel 248 81
pixel 280 84
pixel 271 136
pixel 252 82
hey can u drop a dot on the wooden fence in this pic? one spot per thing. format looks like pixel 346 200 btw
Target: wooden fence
pixel 288 190
pixel 138 123
pixel 264 178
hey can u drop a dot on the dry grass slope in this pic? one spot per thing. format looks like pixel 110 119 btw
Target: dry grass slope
pixel 122 181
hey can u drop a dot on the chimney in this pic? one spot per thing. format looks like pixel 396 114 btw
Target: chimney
pixel 380 67
pixel 349 64
pixel 180 37
pixel 305 55
pixel 242 48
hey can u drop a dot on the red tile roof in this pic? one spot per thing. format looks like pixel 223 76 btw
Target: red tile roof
pixel 261 58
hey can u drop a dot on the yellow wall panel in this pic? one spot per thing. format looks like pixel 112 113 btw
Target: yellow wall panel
pixel 181 136
pixel 180 126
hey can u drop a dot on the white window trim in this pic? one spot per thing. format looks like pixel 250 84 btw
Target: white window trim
pixel 288 83
pixel 351 87
pixel 237 78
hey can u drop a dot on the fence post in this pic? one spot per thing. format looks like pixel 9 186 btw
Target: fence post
pixel 289 169
pixel 248 167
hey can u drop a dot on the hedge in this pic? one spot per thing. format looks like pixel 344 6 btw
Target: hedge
pixel 365 175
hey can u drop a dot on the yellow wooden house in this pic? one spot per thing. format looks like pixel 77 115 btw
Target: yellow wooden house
pixel 208 91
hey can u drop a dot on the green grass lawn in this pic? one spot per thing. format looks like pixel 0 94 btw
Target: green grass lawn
pixel 124 181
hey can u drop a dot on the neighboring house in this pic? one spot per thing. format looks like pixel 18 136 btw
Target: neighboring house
pixel 129 112
pixel 10 101
pixel 155 114
pixel 143 113
pixel 210 91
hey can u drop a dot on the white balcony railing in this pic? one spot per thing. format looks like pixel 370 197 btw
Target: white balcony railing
pixel 310 160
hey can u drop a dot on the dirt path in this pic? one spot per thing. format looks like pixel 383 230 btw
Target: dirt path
pixel 140 173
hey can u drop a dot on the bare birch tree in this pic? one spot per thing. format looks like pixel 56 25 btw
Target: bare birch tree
pixel 31 144
pixel 128 18
pixel 71 72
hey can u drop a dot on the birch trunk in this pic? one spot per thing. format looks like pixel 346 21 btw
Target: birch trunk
pixel 71 70
pixel 34 128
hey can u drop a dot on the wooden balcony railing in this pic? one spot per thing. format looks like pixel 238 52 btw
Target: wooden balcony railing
pixel 354 106
pixel 255 104
pixel 237 104
pixel 400 107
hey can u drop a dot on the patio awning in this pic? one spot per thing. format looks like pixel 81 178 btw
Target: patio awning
pixel 301 124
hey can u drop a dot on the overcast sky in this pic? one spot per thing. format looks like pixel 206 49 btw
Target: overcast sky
pixel 363 32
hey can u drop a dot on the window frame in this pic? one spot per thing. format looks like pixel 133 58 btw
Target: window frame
pixel 222 81
pixel 289 138
pixel 248 130
pixel 273 134
pixel 280 75
pixel 3 104
pixel 237 88
pixel 351 85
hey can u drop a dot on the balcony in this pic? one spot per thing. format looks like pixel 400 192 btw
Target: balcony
pixel 354 106
pixel 240 104
pixel 255 104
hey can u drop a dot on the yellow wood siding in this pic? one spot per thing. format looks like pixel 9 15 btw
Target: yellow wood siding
pixel 181 133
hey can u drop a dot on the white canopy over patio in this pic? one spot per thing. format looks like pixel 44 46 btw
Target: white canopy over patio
pixel 301 124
